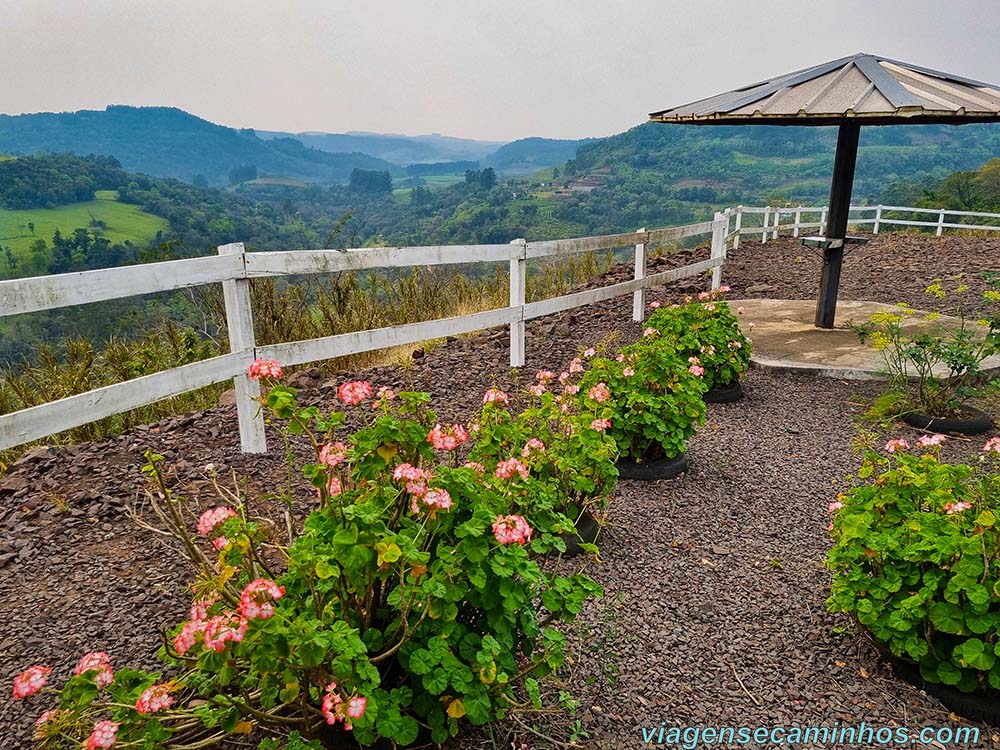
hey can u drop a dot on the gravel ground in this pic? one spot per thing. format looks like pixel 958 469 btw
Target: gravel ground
pixel 715 585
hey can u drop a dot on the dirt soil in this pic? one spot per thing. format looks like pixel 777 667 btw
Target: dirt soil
pixel 714 608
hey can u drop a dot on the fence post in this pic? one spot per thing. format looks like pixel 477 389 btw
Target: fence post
pixel 718 246
pixel 518 283
pixel 777 223
pixel 822 222
pixel 239 324
pixel 639 295
pixel 798 220
pixel 767 223
pixel 878 218
pixel 940 224
pixel 738 227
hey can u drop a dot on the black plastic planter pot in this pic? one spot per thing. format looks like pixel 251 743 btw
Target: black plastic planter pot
pixel 984 707
pixel 587 530
pixel 724 394
pixel 972 422
pixel 650 471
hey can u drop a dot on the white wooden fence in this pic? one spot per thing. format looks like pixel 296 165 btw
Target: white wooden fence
pixel 796 218
pixel 233 267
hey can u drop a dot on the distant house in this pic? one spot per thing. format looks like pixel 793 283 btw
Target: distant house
pixel 585 184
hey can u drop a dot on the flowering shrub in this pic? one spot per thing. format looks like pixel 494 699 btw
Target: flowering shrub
pixel 707 334
pixel 406 604
pixel 916 559
pixel 651 395
pixel 560 454
pixel 936 366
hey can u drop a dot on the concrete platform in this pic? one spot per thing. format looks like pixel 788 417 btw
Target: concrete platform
pixel 785 338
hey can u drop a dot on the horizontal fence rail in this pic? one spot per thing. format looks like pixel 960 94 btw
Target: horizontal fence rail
pixel 797 218
pixel 233 267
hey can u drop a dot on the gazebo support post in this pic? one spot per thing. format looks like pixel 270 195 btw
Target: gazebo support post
pixel 836 225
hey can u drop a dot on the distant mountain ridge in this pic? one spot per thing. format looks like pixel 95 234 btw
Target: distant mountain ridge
pixel 398 149
pixel 169 142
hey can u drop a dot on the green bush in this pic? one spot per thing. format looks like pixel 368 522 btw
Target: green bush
pixel 708 331
pixel 411 600
pixel 916 559
pixel 561 439
pixel 653 395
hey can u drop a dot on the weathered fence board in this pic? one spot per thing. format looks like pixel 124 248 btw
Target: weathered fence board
pixel 48 419
pixel 61 290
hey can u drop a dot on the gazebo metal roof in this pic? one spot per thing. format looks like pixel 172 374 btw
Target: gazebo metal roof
pixel 866 89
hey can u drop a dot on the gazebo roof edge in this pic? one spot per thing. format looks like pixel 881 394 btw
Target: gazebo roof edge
pixel 869 89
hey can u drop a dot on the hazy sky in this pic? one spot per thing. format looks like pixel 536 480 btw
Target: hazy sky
pixel 492 70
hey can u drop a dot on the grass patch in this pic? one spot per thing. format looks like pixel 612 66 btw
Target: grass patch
pixel 123 222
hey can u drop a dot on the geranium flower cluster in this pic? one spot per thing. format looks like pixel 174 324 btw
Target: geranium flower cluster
pixel 264 368
pixel 416 482
pixel 333 454
pixel 509 468
pixel 992 445
pixel 104 735
pixel 155 698
pixel 512 529
pixel 214 517
pixel 951 508
pixel 354 392
pixel 257 599
pixel 99 663
pixel 447 437
pixel 30 681
pixel 532 447
pixel 334 709
pixel 600 393
pixel 495 395
pixel 256 603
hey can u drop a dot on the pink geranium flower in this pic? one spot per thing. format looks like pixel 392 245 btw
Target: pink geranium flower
pixel 507 469
pixel 155 698
pixel 264 368
pixel 495 395
pixel 214 517
pixel 928 441
pixel 600 424
pixel 649 331
pixel 992 445
pixel 696 370
pixel 952 508
pixel 534 445
pixel 354 391
pixel 600 393
pixel 415 480
pixel 896 444
pixel 447 437
pixel 356 707
pixel 257 599
pixel 99 663
pixel 333 454
pixel 30 681
pixel 221 629
pixel 103 736
pixel 512 530
pixel 654 304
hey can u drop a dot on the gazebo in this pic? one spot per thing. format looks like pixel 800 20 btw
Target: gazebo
pixel 850 92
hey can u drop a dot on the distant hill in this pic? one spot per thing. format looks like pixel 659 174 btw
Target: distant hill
pixel 718 164
pixel 531 154
pixel 168 142
pixel 398 149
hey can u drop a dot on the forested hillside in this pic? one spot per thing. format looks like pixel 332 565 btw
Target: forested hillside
pixel 730 163
pixel 168 142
